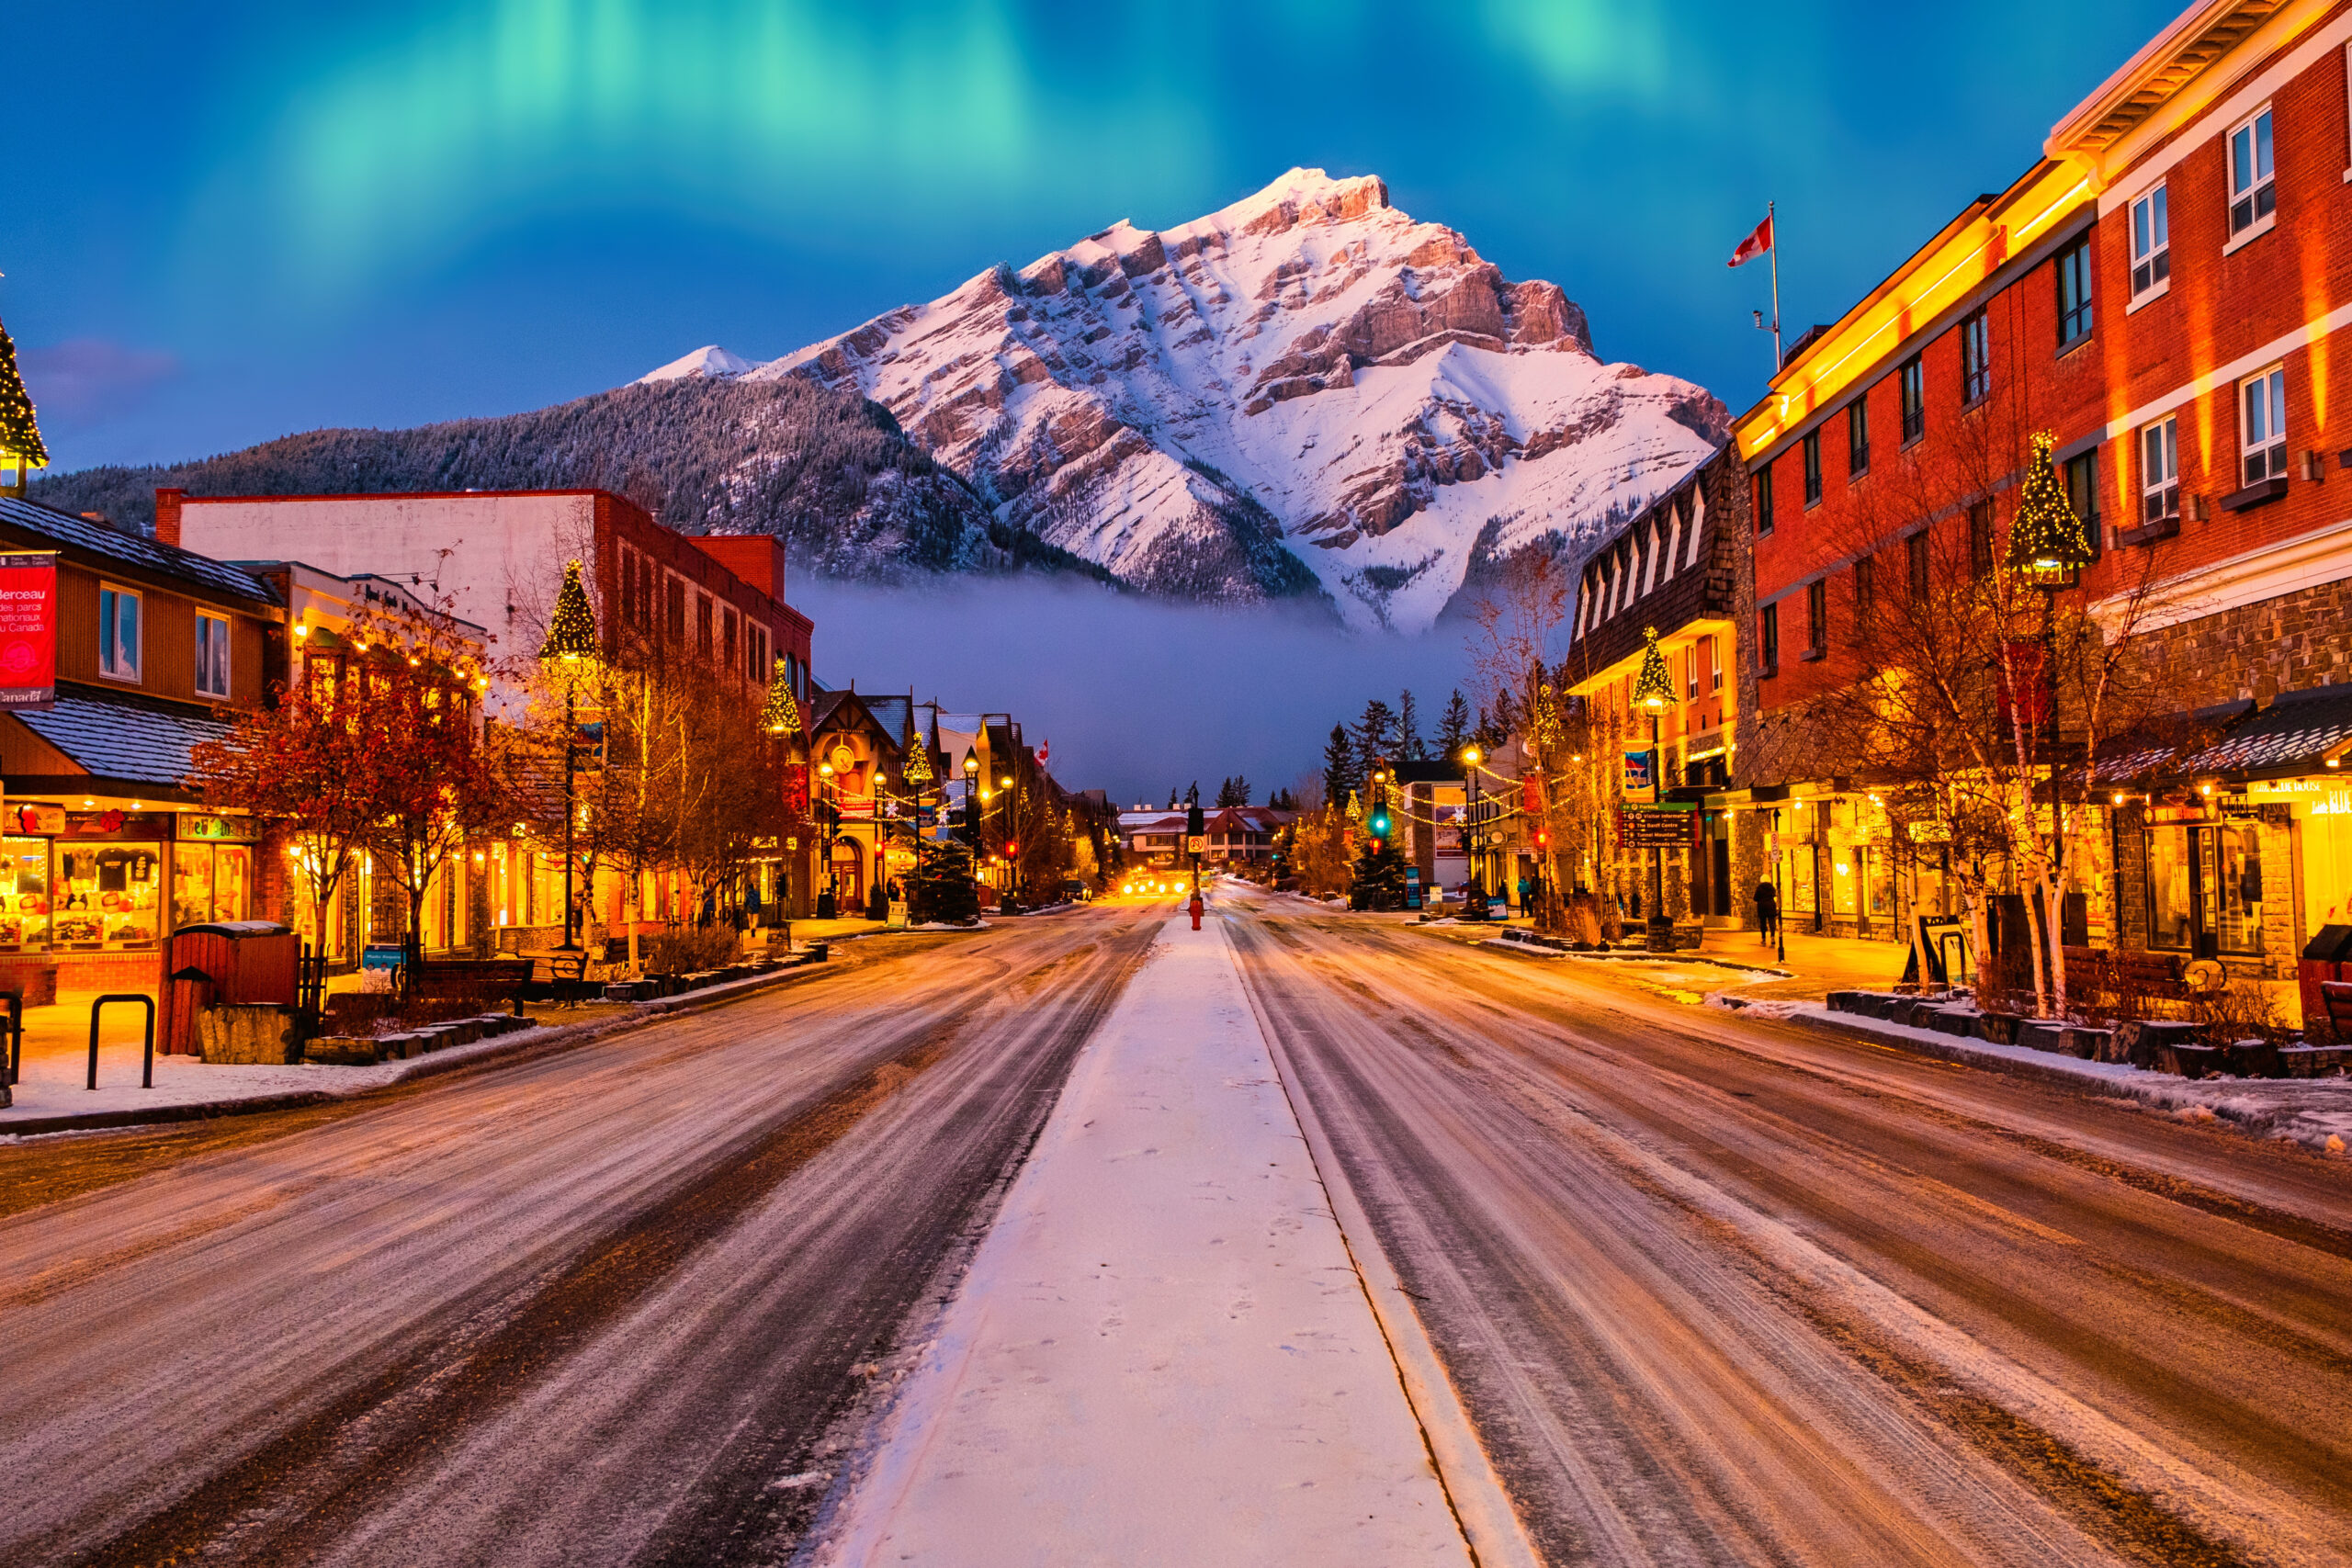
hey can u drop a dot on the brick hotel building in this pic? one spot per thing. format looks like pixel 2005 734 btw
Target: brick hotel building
pixel 2166 290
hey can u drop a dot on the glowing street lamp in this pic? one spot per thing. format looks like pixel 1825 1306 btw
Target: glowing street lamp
pixel 570 646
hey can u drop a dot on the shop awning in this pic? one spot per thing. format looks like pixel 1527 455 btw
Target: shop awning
pixel 116 743
pixel 2297 733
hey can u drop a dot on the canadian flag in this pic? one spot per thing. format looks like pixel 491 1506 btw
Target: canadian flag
pixel 1045 753
pixel 1755 245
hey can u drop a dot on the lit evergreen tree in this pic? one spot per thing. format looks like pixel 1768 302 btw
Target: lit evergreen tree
pixel 941 890
pixel 20 444
pixel 1379 876
pixel 2047 541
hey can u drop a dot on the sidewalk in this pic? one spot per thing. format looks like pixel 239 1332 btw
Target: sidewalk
pixel 1162 1353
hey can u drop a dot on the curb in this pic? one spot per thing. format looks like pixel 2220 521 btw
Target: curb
pixel 547 1039
pixel 2155 1092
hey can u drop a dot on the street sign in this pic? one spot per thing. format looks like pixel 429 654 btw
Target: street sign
pixel 1655 828
pixel 1196 844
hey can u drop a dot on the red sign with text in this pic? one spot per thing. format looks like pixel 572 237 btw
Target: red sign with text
pixel 28 629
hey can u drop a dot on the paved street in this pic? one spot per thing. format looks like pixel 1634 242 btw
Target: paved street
pixel 1709 1290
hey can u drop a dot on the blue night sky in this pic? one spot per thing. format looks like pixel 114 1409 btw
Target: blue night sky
pixel 231 221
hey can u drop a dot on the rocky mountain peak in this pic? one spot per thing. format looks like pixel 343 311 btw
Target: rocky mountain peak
pixel 1307 391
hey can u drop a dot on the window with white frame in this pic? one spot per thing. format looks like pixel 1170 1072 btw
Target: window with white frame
pixel 2151 242
pixel 211 656
pixel 2262 424
pixel 119 643
pixel 2254 190
pixel 2160 470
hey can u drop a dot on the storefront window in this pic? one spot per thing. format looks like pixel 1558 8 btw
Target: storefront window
pixel 24 894
pixel 2168 901
pixel 1845 881
pixel 109 896
pixel 1880 866
pixel 2232 862
pixel 1801 879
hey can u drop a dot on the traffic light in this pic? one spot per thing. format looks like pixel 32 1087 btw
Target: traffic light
pixel 1379 823
pixel 1012 847
pixel 1543 838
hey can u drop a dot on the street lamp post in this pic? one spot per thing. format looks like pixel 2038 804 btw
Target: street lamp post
pixel 570 645
pixel 1472 757
pixel 1653 689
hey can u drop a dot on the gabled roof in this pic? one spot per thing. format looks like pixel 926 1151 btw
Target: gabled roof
pixel 117 740
pixel 68 532
pixel 2165 63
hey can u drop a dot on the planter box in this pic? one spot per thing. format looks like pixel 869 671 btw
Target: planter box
pixel 2189 1061
pixel 1999 1028
pixel 341 1051
pixel 258 1035
pixel 2252 1059
pixel 2142 1044
pixel 2315 1061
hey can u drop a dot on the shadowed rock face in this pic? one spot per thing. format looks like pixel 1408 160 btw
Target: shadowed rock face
pixel 1305 392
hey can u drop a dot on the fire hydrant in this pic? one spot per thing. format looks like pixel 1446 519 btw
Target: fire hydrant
pixel 1196 907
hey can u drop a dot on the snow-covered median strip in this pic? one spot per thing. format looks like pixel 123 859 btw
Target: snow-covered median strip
pixel 1162 1353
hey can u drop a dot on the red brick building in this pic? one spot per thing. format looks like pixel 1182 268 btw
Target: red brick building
pixel 2167 291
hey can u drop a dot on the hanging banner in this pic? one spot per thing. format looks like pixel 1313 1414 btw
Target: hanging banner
pixel 1641 784
pixel 29 629
pixel 795 787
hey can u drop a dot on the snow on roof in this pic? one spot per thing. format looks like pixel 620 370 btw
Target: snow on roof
pixel 81 533
pixel 115 740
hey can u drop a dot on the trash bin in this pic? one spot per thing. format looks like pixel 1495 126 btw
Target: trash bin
pixel 247 964
pixel 2327 956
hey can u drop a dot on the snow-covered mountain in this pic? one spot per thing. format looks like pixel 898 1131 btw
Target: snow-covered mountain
pixel 710 361
pixel 1307 389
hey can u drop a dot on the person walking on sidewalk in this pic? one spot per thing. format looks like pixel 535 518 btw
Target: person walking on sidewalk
pixel 1768 911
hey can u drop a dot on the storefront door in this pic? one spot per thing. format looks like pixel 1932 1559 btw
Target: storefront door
pixel 849 876
pixel 2205 890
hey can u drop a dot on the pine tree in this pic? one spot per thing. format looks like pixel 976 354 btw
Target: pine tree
pixel 1339 765
pixel 1375 736
pixel 1410 746
pixel 1379 876
pixel 1193 796
pixel 1233 792
pixel 1453 727
pixel 943 889
pixel 20 444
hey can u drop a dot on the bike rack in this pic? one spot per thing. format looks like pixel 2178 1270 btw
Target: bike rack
pixel 12 1068
pixel 147 1077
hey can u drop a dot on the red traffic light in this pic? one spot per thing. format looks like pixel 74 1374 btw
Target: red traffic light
pixel 1010 847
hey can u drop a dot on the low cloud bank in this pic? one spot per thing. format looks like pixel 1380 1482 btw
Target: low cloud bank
pixel 1134 695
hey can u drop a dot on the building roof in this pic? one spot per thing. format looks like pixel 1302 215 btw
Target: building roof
pixel 2293 735
pixel 2165 63
pixel 68 531
pixel 117 740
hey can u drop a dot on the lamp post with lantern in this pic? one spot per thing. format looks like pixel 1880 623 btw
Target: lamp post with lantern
pixel 2048 549
pixel 570 649
pixel 1653 689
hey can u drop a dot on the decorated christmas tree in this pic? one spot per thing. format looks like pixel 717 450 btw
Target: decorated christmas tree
pixel 781 715
pixel 21 447
pixel 1654 687
pixel 2047 541
pixel 917 751
pixel 942 891
pixel 1379 876
pixel 571 630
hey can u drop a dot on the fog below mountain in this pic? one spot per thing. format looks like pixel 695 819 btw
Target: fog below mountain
pixel 1134 695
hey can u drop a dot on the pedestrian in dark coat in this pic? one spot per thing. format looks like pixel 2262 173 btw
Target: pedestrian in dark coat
pixel 1768 911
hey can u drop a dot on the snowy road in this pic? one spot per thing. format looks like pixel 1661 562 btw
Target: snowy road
pixel 1719 1292
pixel 602 1307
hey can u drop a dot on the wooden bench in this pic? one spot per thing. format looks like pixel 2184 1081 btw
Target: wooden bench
pixel 474 980
pixel 566 983
pixel 2118 972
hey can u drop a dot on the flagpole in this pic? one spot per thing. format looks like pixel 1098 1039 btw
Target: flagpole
pixel 1771 217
